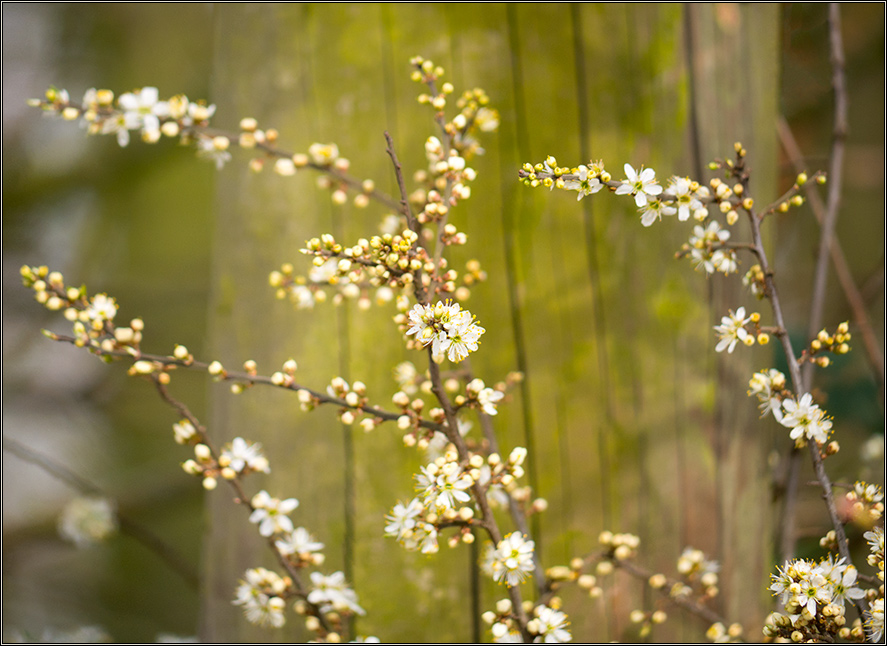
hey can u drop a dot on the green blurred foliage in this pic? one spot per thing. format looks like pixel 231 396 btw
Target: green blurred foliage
pixel 141 223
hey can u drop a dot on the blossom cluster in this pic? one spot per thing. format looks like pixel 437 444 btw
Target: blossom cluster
pixel 681 196
pixel 447 328
pixel 444 498
pixel 143 111
pixel 814 596
pixel 548 625
pixel 475 115
pixel 140 110
pixel 262 594
pixel 385 263
pixel 769 387
pixel 92 317
pixel 707 250
pixel 875 621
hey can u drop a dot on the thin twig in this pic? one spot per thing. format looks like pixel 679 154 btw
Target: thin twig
pixel 250 379
pixel 836 164
pixel 855 300
pixel 167 553
pixel 240 498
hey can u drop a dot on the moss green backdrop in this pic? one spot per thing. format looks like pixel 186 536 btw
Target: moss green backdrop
pixel 633 422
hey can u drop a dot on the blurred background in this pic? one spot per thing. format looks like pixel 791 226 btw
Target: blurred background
pixel 619 405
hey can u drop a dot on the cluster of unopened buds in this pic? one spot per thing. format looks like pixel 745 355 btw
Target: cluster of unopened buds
pixel 238 458
pixel 696 569
pixel 92 317
pixel 865 503
pixel 718 633
pixel 825 342
pixel 618 546
pixel 474 111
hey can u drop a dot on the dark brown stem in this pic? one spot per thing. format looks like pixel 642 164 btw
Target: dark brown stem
pixel 488 521
pixel 406 211
pixel 797 382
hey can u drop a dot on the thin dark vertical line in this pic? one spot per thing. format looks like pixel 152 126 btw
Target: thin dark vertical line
pixel 388 64
pixel 344 355
pixel 474 586
pixel 693 130
pixel 508 239
pixel 695 146
pixel 600 323
pixel 349 511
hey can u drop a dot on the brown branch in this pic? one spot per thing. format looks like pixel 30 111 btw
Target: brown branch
pixel 250 379
pixel 842 269
pixel 240 498
pixel 488 521
pixel 795 372
pixel 839 136
pixel 167 553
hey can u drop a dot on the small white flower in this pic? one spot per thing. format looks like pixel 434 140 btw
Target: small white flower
pixel 583 183
pixel 705 243
pixel 724 261
pixel 258 594
pixel 732 330
pixel 875 623
pixel 332 593
pixel 443 487
pixel 687 203
pixel 403 518
pixel 843 581
pixel 654 210
pixel 806 419
pixel 141 109
pixel 206 149
pixel 512 560
pixel 640 184
pixel 242 454
pixel 101 308
pixel 551 626
pixel 300 542
pixel 323 154
pixel 270 514
pixel 488 398
pixel 766 385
